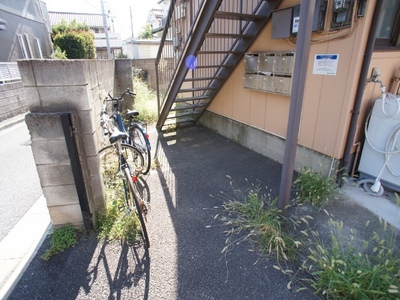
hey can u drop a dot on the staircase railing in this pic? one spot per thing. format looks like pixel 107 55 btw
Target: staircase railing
pixel 178 25
pixel 213 36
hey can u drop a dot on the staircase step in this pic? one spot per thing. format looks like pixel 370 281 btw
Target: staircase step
pixel 177 121
pixel 184 114
pixel 220 52
pixel 185 107
pixel 213 66
pixel 237 16
pixel 204 88
pixel 231 35
pixel 197 98
pixel 204 78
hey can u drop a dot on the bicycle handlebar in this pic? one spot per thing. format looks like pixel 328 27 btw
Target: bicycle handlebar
pixel 121 98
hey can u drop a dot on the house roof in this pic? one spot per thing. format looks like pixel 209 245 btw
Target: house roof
pixel 91 20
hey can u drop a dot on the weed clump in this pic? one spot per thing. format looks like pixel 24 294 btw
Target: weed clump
pixel 315 188
pixel 61 239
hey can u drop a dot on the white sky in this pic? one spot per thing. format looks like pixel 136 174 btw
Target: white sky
pixel 119 9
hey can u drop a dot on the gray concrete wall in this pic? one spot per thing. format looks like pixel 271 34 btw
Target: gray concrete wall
pixel 147 65
pixel 12 100
pixel 268 144
pixel 78 87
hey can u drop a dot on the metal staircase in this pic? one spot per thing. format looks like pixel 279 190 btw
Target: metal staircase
pixel 214 42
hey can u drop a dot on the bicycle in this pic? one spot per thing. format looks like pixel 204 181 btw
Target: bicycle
pixel 138 136
pixel 126 160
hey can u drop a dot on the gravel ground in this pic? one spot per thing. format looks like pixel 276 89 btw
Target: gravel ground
pixel 185 259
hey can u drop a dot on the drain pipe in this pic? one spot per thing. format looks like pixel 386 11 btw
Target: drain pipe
pixel 346 165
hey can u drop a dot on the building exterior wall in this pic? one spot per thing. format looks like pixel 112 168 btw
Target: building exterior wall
pixel 328 100
pixel 28 19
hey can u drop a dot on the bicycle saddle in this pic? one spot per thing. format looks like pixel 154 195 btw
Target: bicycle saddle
pixel 132 113
pixel 118 135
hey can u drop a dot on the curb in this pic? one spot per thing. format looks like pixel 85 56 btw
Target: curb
pixel 21 239
pixel 12 121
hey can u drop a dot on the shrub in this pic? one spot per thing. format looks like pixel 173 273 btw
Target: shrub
pixel 75 39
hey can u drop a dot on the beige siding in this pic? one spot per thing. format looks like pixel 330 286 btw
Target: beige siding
pixel 328 100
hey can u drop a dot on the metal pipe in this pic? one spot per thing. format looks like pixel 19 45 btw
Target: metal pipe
pixel 307 9
pixel 346 164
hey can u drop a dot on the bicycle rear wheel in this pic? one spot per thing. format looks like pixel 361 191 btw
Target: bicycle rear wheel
pixel 136 202
pixel 139 140
pixel 110 163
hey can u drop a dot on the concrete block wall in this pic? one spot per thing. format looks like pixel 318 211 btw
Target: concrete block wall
pixel 12 100
pixel 149 66
pixel 78 87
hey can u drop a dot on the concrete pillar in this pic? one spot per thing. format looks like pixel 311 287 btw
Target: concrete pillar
pixel 78 87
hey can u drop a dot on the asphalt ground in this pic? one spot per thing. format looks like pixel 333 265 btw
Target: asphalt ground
pixel 185 260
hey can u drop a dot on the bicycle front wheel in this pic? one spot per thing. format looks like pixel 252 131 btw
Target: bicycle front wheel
pixel 136 202
pixel 139 140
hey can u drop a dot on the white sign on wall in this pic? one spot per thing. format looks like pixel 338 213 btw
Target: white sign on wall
pixel 325 64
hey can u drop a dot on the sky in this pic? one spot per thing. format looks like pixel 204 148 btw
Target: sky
pixel 120 9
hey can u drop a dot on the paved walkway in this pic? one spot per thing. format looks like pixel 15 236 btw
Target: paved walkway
pixel 185 260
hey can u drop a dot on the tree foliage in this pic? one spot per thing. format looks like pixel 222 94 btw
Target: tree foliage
pixel 147 32
pixel 75 39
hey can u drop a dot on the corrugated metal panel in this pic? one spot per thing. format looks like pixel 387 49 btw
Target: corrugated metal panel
pixel 9 71
pixel 91 20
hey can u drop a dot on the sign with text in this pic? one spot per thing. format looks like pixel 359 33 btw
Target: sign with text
pixel 325 64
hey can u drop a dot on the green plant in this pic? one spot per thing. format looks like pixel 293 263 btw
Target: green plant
pixel 315 188
pixel 58 54
pixel 115 223
pixel 62 239
pixel 257 214
pixel 146 33
pixel 350 268
pixel 145 101
pixel 75 39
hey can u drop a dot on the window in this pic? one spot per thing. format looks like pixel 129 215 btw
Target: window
pixel 38 48
pixel 29 45
pixel 388 30
pixel 24 53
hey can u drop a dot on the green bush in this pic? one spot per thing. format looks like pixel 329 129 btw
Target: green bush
pixel 75 39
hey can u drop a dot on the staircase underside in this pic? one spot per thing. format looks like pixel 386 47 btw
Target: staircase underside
pixel 219 41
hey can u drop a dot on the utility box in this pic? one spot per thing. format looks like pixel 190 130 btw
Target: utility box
pixel 285 22
pixel 383 137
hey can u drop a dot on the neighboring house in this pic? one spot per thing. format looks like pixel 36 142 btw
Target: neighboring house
pixel 95 23
pixel 140 49
pixel 156 19
pixel 24 30
pixel 237 74
pixel 24 33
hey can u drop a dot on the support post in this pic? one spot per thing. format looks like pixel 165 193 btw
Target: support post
pixel 307 9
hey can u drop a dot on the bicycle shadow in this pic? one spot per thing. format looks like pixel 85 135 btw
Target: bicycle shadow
pixel 94 268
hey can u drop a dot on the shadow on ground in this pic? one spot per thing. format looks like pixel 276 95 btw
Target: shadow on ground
pixel 185 261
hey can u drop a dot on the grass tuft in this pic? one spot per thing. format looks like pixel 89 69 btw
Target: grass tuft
pixel 258 214
pixel 145 101
pixel 315 188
